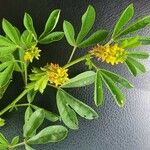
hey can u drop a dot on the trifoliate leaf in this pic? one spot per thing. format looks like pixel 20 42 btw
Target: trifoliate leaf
pixel 80 108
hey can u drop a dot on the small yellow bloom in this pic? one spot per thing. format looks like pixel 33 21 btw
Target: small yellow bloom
pixel 112 54
pixel 32 53
pixel 56 74
pixel 28 56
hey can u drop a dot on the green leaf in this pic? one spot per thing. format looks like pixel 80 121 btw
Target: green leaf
pixel 31 95
pixel 95 38
pixel 48 115
pixel 28 114
pixel 2 122
pixel 6 70
pixel 28 23
pixel 80 108
pixel 50 134
pixel 69 33
pixel 6 50
pixel 52 37
pixel 27 38
pixel 5 41
pixel 67 114
pixel 87 22
pixel 138 54
pixel 3 140
pixel 115 91
pixel 132 42
pixel 145 40
pixel 139 24
pixel 51 23
pixel 34 122
pixel 3 89
pixel 41 84
pixel 123 20
pixel 27 147
pixel 10 31
pixel 15 140
pixel 51 116
pixel 4 147
pixel 134 66
pixel 117 78
pixel 83 79
pixel 98 91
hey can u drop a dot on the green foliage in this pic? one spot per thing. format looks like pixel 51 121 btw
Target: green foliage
pixel 39 80
pixel 10 31
pixel 88 19
pixel 95 38
pixel 33 123
pixel 51 23
pixel 115 91
pixel 123 20
pixel 65 101
pixel 49 135
pixel 132 42
pixel 69 33
pixel 15 46
pixel 28 23
pixel 52 37
pixel 83 79
pixel 6 70
pixel 134 66
pixel 98 90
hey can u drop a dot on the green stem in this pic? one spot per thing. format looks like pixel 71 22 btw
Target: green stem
pixel 17 145
pixel 23 105
pixel 73 51
pixel 94 66
pixel 14 102
pixel 25 74
pixel 76 61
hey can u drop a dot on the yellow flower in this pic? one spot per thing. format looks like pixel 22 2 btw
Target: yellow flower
pixel 56 74
pixel 112 54
pixel 32 53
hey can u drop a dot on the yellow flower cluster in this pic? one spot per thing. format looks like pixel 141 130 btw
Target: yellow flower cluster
pixel 30 54
pixel 112 54
pixel 56 74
